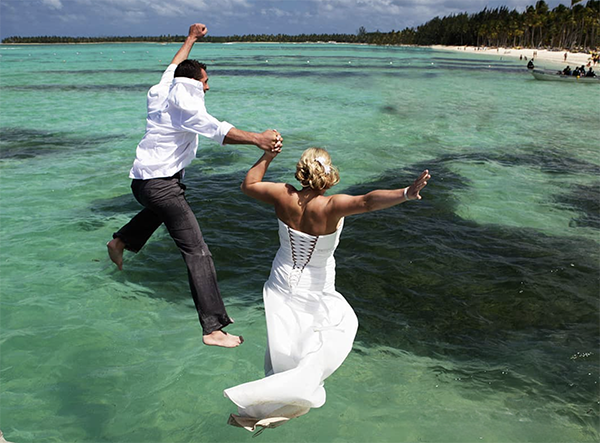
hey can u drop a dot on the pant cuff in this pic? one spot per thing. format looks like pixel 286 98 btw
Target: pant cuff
pixel 127 244
pixel 215 323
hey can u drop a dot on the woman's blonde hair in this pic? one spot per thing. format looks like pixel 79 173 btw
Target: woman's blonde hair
pixel 314 170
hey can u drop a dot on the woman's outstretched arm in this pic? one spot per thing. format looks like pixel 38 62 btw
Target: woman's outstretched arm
pixel 254 186
pixel 341 205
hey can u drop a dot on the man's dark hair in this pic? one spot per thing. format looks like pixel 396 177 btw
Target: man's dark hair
pixel 190 69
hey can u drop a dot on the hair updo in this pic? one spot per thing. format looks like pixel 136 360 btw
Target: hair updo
pixel 314 170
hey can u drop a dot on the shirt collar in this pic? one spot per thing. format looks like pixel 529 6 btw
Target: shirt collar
pixel 188 81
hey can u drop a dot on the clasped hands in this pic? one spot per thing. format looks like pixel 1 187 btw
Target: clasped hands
pixel 271 142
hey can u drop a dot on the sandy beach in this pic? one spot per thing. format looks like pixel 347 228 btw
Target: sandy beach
pixel 542 57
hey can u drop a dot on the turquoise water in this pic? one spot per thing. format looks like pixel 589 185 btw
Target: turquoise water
pixel 478 306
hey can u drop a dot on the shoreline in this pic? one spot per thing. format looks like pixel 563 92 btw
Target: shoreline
pixel 541 56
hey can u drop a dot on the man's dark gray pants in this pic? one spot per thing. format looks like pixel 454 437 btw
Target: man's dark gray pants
pixel 164 202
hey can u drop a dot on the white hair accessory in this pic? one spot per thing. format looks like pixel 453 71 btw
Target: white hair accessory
pixel 321 160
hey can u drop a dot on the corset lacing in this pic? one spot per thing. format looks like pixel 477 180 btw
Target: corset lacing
pixel 302 250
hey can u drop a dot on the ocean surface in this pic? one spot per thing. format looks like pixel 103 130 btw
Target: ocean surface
pixel 478 306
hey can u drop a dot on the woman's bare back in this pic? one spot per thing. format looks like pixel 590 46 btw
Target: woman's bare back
pixel 306 211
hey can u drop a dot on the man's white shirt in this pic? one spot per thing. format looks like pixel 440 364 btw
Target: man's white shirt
pixel 176 115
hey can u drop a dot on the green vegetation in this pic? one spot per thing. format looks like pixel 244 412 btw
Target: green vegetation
pixel 537 27
pixel 575 28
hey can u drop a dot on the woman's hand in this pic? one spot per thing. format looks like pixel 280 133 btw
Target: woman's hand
pixel 413 190
pixel 270 155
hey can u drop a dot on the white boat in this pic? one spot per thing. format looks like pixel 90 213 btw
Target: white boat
pixel 557 77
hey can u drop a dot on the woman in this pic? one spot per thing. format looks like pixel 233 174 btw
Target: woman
pixel 310 326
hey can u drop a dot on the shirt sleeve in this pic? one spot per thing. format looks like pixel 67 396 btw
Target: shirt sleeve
pixel 188 112
pixel 158 92
pixel 168 75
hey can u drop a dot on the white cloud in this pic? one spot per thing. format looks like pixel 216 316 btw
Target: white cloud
pixel 166 9
pixel 54 4
pixel 340 9
pixel 8 8
pixel 125 13
pixel 71 18
pixel 275 12
pixel 170 8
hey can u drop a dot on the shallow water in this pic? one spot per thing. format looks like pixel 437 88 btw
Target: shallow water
pixel 478 306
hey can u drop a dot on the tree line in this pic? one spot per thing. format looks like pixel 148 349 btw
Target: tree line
pixel 575 28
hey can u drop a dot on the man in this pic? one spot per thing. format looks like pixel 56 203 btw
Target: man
pixel 176 115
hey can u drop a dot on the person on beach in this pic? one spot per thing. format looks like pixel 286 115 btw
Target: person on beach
pixel 310 326
pixel 176 115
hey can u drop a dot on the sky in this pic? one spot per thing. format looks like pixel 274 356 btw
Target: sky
pixel 102 18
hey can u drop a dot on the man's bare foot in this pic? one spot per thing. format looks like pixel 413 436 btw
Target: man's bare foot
pixel 222 338
pixel 115 251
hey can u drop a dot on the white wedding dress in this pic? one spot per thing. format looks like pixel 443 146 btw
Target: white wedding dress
pixel 310 331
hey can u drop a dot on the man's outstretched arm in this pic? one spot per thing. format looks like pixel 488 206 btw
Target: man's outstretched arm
pixel 196 32
pixel 269 140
